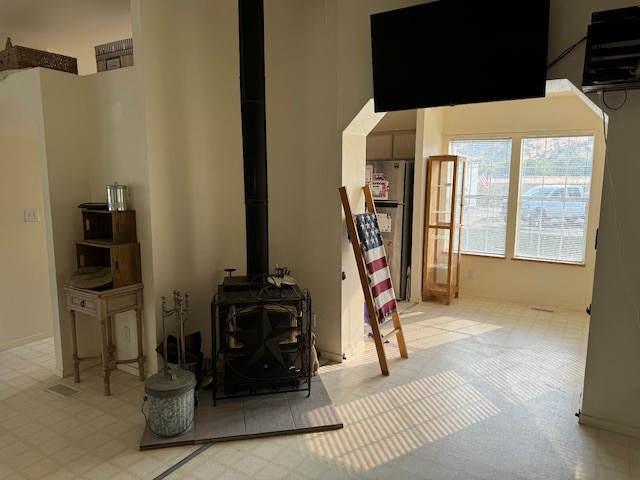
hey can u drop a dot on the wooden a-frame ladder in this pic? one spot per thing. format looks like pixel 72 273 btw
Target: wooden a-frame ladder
pixel 366 288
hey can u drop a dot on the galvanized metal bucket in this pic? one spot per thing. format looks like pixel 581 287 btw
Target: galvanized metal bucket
pixel 117 197
pixel 171 402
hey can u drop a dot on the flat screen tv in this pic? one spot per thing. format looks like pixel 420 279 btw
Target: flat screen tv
pixel 454 52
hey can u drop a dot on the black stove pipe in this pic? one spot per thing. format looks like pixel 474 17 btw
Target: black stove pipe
pixel 254 134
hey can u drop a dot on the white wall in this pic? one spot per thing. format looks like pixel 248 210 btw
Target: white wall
pixel 192 113
pixel 397 121
pixel 189 79
pixel 535 283
pixel 50 118
pixel 24 276
pixel 429 141
pixel 195 151
pixel 68 134
pixel 612 385
pixel 304 151
pixel 64 165
pixel 354 150
pixel 117 153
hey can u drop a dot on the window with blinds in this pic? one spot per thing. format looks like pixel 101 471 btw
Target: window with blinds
pixel 554 186
pixel 486 194
pixel 552 203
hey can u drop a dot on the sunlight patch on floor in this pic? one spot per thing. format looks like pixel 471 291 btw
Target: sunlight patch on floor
pixel 400 420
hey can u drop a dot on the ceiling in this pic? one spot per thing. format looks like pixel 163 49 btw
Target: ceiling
pixel 67 27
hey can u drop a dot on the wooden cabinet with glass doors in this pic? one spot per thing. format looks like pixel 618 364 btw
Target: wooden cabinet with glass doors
pixel 443 224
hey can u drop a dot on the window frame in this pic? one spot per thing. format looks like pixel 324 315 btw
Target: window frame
pixel 500 138
pixel 563 198
pixel 513 208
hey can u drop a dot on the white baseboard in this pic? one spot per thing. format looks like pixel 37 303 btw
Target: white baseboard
pixel 609 426
pixel 334 357
pixel 341 357
pixel 132 369
pixel 25 341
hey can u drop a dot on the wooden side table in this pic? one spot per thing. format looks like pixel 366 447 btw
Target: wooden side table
pixel 103 305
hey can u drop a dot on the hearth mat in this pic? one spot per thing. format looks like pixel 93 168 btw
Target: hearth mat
pixel 251 417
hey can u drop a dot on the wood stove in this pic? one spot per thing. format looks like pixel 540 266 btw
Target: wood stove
pixel 261 324
pixel 262 338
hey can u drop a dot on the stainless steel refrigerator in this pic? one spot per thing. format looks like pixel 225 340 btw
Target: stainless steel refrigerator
pixel 399 206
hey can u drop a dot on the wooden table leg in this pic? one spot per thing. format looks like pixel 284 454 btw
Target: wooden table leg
pixel 74 344
pixel 97 304
pixel 111 348
pixel 141 358
pixel 106 370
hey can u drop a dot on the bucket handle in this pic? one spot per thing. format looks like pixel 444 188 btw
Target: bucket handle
pixel 146 419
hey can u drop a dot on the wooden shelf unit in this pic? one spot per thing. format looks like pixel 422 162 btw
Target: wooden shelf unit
pixel 443 225
pixel 110 240
pixel 123 260
pixel 109 226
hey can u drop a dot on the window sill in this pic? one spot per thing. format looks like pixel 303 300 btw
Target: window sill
pixel 484 255
pixel 552 262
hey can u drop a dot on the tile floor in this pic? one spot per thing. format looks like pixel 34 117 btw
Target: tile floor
pixel 490 391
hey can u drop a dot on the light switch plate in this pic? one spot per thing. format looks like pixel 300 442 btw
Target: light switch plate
pixel 31 215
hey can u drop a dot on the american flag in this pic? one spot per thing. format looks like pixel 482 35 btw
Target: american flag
pixel 484 181
pixel 376 262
